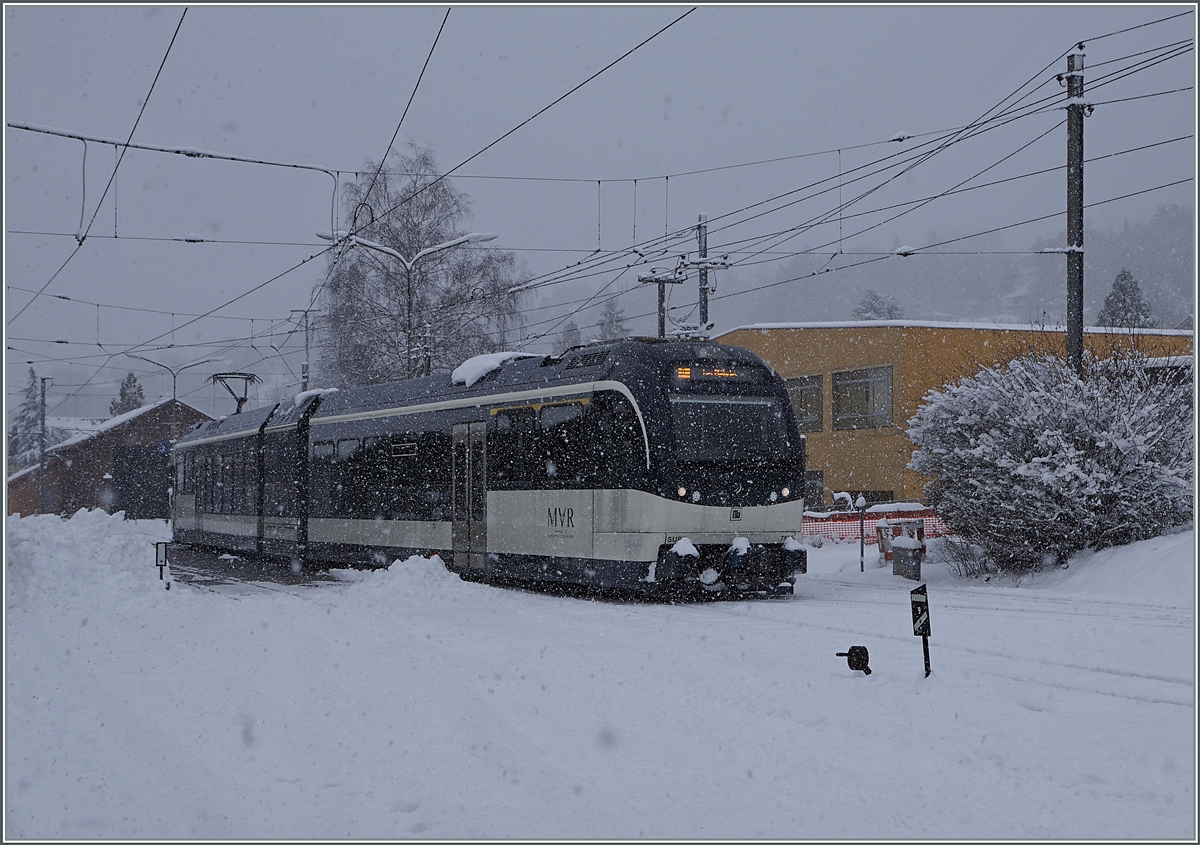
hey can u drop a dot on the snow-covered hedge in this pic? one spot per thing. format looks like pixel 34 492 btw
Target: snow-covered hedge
pixel 1032 464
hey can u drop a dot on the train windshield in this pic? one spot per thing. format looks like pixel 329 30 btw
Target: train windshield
pixel 722 428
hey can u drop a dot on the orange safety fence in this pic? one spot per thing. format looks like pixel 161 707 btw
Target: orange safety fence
pixel 843 525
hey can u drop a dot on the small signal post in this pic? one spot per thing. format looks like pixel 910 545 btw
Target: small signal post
pixel 920 617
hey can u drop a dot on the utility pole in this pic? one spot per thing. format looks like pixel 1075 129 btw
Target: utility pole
pixel 42 448
pixel 428 343
pixel 1074 79
pixel 702 244
pixel 663 277
pixel 304 368
pixel 703 263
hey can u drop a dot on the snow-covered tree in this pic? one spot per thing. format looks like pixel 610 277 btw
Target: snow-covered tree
pixel 612 322
pixel 874 306
pixel 24 436
pixel 1124 306
pixel 569 336
pixel 1031 463
pixel 130 398
pixel 460 300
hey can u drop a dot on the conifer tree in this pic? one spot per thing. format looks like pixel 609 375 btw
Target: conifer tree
pixel 1124 307
pixel 612 322
pixel 24 437
pixel 130 399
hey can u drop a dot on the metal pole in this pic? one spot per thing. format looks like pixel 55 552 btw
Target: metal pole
pixel 662 309
pixel 861 504
pixel 702 243
pixel 408 322
pixel 304 371
pixel 1075 212
pixel 42 449
pixel 862 539
pixel 428 343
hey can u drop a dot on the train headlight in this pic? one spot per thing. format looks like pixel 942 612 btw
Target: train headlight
pixel 786 492
pixel 773 496
pixel 682 492
pixel 695 495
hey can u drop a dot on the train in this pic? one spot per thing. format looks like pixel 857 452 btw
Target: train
pixel 665 468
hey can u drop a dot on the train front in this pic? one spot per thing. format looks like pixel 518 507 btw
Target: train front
pixel 730 480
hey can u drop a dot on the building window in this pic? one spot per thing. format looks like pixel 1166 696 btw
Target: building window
pixel 814 489
pixel 806 394
pixel 862 398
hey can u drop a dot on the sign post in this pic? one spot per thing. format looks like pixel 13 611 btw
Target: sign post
pixel 920 616
pixel 861 506
pixel 160 560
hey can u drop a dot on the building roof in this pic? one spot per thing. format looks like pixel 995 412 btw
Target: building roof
pixel 74 425
pixel 21 473
pixel 930 324
pixel 116 422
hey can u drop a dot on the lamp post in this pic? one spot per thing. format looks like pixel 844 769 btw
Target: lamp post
pixel 408 264
pixel 175 372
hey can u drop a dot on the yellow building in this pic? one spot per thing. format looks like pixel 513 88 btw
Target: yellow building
pixel 855 385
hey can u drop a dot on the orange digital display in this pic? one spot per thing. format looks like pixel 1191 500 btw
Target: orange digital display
pixel 694 373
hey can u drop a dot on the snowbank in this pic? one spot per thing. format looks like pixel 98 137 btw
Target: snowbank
pixel 92 557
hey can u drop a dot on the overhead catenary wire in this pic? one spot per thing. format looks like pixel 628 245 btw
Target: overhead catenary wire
pixel 111 179
pixel 615 253
pixel 411 97
pixel 922 250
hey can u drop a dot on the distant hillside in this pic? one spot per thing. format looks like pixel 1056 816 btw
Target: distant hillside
pixel 1007 288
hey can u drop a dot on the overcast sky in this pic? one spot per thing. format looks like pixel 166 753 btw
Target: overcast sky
pixel 765 100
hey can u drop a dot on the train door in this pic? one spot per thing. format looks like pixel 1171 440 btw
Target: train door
pixel 470 497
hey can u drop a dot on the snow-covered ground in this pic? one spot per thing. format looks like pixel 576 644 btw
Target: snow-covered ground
pixel 405 703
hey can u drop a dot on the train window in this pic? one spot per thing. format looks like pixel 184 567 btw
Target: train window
pixel 323 451
pixel 236 485
pixel 563 441
pixel 512 448
pixel 250 488
pixel 280 453
pixel 728 428
pixel 478 488
pixel 460 481
pixel 230 485
pixel 618 450
pixel 347 449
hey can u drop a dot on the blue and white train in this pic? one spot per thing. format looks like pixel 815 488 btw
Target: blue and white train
pixel 660 467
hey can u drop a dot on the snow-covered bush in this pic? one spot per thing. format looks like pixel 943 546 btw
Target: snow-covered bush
pixel 1032 463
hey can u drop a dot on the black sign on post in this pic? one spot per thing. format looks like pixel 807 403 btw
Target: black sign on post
pixel 920 616
pixel 160 560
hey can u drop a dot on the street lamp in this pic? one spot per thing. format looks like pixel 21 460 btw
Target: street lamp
pixel 408 264
pixel 175 372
